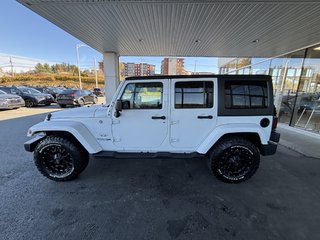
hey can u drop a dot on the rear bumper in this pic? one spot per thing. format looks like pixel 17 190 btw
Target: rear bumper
pixel 271 147
pixel 30 145
pixel 68 102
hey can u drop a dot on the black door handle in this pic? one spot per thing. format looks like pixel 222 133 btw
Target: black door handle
pixel 156 117
pixel 205 117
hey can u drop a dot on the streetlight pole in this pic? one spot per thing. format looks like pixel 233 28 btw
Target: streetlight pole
pixel 95 71
pixel 78 62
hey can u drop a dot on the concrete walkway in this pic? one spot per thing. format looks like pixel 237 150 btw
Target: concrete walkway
pixel 304 142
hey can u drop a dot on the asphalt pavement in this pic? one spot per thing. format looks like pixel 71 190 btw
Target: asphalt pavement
pixel 155 198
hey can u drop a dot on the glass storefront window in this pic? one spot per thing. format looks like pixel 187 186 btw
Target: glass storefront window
pixel 306 113
pixel 296 85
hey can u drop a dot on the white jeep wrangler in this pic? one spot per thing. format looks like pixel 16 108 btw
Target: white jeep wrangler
pixel 230 120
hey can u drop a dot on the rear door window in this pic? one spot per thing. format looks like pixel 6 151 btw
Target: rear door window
pixel 197 94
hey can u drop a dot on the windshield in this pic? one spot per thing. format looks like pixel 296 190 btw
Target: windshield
pixel 28 90
pixel 2 92
pixel 56 90
pixel 69 91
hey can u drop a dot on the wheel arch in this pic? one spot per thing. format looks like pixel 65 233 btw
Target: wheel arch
pixel 254 134
pixel 74 131
pixel 251 136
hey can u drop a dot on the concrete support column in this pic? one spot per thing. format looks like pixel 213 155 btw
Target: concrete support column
pixel 111 74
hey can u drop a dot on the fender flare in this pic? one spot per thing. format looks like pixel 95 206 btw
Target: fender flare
pixel 76 129
pixel 231 129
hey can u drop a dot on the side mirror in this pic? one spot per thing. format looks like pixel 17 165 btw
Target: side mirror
pixel 118 108
pixel 125 104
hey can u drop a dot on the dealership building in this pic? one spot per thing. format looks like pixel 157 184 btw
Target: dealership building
pixel 279 38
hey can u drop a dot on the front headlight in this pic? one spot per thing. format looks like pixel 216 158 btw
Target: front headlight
pixel 39 98
pixel 3 101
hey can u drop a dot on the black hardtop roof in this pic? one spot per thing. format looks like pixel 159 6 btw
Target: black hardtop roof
pixel 228 77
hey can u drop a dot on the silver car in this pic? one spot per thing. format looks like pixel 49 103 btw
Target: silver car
pixel 10 101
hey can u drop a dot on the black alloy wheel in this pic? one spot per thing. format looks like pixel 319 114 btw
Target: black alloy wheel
pixel 59 159
pixel 56 160
pixel 234 160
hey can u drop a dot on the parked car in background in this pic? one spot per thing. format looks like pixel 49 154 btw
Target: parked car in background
pixel 309 101
pixel 10 101
pixel 98 92
pixel 76 97
pixel 31 96
pixel 53 91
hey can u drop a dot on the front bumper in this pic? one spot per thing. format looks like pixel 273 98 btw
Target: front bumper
pixel 30 145
pixel 271 147
pixel 46 101
pixel 12 105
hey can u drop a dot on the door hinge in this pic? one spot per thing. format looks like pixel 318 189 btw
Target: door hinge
pixel 174 122
pixel 174 140
pixel 117 140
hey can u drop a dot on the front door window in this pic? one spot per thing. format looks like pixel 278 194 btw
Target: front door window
pixel 143 95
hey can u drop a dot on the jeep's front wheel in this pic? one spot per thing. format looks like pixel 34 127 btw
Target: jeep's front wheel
pixel 59 159
pixel 234 160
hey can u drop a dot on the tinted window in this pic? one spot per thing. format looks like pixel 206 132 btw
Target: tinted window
pixel 6 90
pixel 28 90
pixel 143 95
pixel 194 94
pixel 69 91
pixel 246 95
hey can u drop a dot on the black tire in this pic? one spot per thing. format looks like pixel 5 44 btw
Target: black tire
pixel 59 159
pixel 29 103
pixel 234 160
pixel 62 105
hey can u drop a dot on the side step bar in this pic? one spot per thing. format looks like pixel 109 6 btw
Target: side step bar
pixel 112 154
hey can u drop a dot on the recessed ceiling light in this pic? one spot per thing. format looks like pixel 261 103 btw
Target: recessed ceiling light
pixel 317 48
pixel 255 41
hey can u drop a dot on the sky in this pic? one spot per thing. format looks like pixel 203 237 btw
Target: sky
pixel 24 33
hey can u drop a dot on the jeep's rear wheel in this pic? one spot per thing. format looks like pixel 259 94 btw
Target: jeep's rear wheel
pixel 234 160
pixel 59 159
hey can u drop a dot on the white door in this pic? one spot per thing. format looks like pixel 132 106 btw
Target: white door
pixel 144 125
pixel 193 112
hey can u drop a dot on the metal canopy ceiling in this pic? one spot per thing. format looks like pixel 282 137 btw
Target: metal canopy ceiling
pixel 186 28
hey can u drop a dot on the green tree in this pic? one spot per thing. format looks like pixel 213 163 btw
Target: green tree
pixel 38 68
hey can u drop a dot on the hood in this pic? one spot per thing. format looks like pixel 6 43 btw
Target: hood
pixel 77 112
